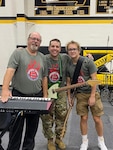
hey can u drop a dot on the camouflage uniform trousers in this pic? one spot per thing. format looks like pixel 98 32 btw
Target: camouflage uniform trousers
pixel 54 121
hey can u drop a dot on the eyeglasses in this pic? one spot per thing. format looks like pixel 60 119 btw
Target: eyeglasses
pixel 72 49
pixel 35 39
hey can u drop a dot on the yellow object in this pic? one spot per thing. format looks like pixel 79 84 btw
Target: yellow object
pixel 60 144
pixel 106 78
pixel 51 145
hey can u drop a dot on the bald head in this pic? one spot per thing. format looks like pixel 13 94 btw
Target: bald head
pixel 32 34
pixel 34 41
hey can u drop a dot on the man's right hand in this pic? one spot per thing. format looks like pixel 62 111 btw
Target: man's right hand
pixel 5 95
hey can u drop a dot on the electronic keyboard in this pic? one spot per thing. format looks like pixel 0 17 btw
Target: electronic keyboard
pixel 26 104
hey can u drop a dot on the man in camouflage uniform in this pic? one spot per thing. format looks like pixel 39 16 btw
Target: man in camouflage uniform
pixel 57 63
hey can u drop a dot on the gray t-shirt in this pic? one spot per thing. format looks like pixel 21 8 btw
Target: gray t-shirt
pixel 29 71
pixel 88 67
pixel 57 69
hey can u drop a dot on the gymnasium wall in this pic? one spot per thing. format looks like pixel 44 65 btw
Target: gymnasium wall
pixel 82 21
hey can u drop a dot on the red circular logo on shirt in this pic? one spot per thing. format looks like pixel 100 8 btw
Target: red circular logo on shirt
pixel 80 79
pixel 33 74
pixel 54 76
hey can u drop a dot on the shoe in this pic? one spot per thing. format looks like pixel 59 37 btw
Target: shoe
pixel 51 145
pixel 60 144
pixel 84 146
pixel 102 145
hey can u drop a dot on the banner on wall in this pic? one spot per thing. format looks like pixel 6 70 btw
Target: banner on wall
pixel 104 7
pixel 72 7
pixel 2 3
pixel 62 7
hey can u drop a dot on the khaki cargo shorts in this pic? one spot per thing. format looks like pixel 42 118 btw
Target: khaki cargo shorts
pixel 82 106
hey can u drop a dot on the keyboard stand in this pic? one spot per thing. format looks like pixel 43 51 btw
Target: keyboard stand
pixel 13 120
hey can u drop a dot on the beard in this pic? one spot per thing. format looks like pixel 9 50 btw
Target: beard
pixel 34 48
